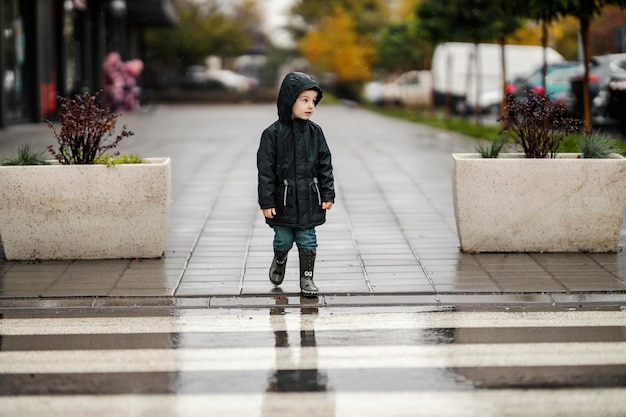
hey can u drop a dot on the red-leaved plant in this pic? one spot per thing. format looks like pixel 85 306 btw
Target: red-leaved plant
pixel 538 124
pixel 87 130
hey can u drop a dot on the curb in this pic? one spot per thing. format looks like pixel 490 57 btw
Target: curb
pixel 429 301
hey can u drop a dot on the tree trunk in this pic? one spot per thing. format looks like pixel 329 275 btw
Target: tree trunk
pixel 449 99
pixel 502 42
pixel 477 107
pixel 468 78
pixel 544 44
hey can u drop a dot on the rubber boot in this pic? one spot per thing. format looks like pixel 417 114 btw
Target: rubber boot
pixel 277 270
pixel 307 264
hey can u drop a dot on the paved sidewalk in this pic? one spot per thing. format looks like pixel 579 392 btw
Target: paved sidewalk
pixel 389 240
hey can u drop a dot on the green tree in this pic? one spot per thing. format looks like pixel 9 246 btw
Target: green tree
pixel 200 32
pixel 401 48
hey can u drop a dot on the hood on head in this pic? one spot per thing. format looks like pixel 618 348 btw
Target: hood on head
pixel 293 84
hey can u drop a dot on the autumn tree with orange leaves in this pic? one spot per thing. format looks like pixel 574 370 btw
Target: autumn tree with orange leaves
pixel 334 47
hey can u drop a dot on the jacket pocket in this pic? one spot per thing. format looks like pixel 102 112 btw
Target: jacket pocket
pixel 283 190
pixel 316 189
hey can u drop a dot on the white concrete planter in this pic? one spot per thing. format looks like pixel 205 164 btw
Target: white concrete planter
pixel 514 204
pixel 85 211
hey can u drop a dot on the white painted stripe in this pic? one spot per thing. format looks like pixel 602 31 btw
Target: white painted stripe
pixel 480 403
pixel 295 321
pixel 347 357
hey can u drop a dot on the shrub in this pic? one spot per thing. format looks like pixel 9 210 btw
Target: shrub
pixel 87 130
pixel 538 124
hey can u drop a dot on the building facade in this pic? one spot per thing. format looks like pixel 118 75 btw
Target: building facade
pixel 51 48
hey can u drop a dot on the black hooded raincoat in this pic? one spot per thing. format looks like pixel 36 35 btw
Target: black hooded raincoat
pixel 294 163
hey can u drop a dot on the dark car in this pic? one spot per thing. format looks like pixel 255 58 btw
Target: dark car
pixel 616 106
pixel 558 77
pixel 605 99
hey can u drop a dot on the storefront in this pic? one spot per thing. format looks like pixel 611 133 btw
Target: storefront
pixel 16 99
pixel 57 47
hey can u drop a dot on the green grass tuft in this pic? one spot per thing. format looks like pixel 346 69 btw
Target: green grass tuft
pixel 26 155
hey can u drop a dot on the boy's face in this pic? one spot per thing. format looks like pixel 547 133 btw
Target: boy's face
pixel 304 106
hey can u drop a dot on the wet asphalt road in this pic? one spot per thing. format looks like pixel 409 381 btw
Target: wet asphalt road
pixel 284 361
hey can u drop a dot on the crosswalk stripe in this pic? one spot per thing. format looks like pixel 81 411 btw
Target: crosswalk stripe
pixel 256 322
pixel 364 337
pixel 360 357
pixel 285 363
pixel 483 403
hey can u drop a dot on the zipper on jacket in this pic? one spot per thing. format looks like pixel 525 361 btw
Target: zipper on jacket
pixel 317 188
pixel 286 184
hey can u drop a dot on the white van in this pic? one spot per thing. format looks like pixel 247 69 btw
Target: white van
pixel 454 70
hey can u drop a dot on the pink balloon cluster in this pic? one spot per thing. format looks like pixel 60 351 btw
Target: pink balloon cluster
pixel 120 82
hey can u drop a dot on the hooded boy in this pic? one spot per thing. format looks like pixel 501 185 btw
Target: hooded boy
pixel 295 174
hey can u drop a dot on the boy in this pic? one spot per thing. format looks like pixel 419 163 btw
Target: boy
pixel 295 174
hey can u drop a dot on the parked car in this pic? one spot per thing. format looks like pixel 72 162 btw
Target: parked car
pixel 199 76
pixel 454 71
pixel 605 99
pixel 233 81
pixel 410 89
pixel 194 76
pixel 558 76
pixel 373 92
pixel 616 105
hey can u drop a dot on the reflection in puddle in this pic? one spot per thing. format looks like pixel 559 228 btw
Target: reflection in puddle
pixel 288 375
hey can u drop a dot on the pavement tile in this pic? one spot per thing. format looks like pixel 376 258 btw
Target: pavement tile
pixel 39 267
pixel 462 280
pixel 187 279
pixel 585 276
pixel 486 287
pixel 150 275
pixel 391 275
pixel 517 276
pixel 513 259
pixel 145 284
pixel 458 275
pixel 590 267
pixel 402 288
pixel 447 267
pixel 140 292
